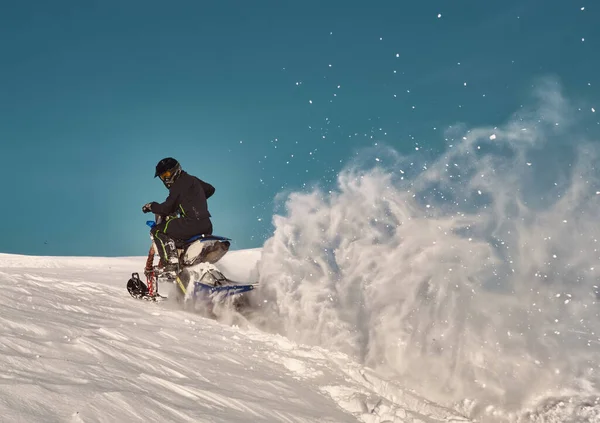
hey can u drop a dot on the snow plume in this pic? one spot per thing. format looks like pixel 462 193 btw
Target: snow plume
pixel 470 278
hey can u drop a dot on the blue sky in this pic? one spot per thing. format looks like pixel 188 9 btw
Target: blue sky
pixel 254 97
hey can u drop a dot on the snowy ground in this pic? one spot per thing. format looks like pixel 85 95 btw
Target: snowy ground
pixel 75 347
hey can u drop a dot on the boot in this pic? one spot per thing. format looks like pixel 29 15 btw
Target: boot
pixel 170 271
pixel 172 266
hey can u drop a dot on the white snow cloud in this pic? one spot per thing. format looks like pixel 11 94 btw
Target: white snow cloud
pixel 429 293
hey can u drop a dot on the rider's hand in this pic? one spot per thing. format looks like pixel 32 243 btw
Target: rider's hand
pixel 147 208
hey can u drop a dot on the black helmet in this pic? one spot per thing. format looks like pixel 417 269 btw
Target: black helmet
pixel 168 170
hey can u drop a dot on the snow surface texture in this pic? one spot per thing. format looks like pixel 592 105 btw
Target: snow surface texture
pixel 75 347
pixel 470 278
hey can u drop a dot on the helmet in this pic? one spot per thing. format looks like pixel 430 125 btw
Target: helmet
pixel 168 170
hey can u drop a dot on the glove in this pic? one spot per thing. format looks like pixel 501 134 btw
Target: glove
pixel 147 208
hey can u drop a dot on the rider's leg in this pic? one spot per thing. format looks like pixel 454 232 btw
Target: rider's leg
pixel 184 228
pixel 166 247
pixel 177 228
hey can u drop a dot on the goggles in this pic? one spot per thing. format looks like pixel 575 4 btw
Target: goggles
pixel 165 175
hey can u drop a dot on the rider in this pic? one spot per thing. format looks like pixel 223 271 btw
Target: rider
pixel 186 210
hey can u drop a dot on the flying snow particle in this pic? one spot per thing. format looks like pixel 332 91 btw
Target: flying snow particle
pixel 493 136
pixel 582 40
pixel 397 54
pixel 583 8
pixel 310 101
pixel 465 84
pixel 593 110
pixel 439 15
pixel 377 159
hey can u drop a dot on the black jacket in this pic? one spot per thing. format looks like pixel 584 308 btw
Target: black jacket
pixel 187 196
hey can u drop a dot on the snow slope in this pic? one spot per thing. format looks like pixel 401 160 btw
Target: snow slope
pixel 74 347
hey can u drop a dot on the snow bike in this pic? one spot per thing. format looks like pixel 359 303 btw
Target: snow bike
pixel 197 279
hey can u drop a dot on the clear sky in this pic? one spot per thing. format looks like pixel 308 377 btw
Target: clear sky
pixel 254 97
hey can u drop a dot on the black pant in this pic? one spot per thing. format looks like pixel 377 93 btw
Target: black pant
pixel 168 235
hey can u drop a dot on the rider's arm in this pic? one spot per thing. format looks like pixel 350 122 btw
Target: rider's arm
pixel 166 208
